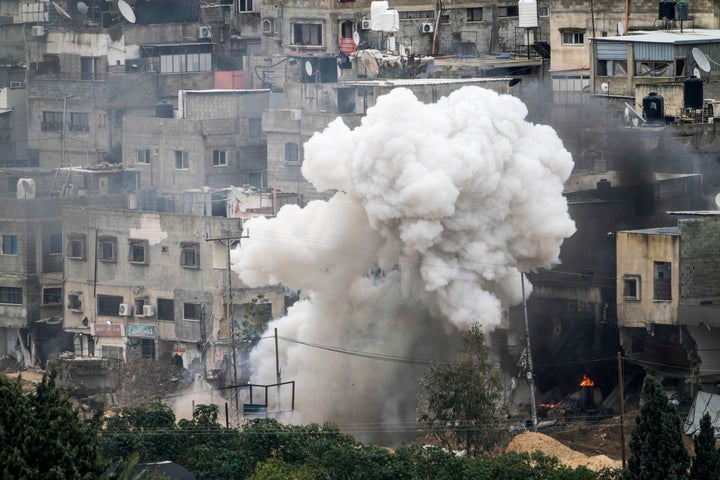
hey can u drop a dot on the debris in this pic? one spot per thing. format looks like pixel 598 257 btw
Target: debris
pixel 530 442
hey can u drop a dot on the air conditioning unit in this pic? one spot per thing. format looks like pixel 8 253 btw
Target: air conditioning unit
pixel 427 28
pixel 148 310
pixel 125 310
pixel 38 30
pixel 364 24
pixel 204 33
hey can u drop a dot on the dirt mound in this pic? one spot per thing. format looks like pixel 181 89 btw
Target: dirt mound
pixel 530 442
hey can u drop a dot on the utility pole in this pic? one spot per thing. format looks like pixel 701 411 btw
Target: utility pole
pixel 621 393
pixel 528 352
pixel 227 240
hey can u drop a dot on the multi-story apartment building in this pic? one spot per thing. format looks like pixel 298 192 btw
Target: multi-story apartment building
pixel 215 139
pixel 148 284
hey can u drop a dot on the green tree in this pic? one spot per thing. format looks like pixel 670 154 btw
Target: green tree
pixel 656 445
pixel 462 404
pixel 706 463
pixel 42 436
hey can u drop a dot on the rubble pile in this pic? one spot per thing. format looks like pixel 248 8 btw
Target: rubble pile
pixel 529 442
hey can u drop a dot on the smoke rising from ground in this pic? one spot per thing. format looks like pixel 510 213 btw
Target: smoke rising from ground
pixel 438 208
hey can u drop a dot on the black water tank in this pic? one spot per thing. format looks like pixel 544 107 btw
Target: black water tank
pixel 693 92
pixel 666 10
pixel 603 188
pixel 654 108
pixel 164 110
pixel 682 12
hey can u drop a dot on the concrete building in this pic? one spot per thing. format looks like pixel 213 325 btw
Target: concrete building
pixel 119 302
pixel 215 140
pixel 668 295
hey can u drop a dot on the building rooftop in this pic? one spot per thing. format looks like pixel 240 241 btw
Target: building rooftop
pixel 656 231
pixel 410 82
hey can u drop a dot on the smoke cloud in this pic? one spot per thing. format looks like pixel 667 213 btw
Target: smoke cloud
pixel 436 210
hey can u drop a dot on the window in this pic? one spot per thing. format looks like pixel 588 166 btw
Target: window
pixel 89 68
pixel 192 311
pixel 76 246
pixel 186 62
pixel 292 152
pixel 474 14
pixel 56 244
pixel 573 38
pixel 424 14
pixel 52 122
pixel 112 352
pixel 544 11
pixel 662 281
pixel 118 118
pixel 109 305
pixel 107 249
pixel 631 287
pixel 309 34
pixel 244 6
pixel 75 302
pixel 511 11
pixel 79 122
pixel 181 160
pixel 11 295
pixel 147 347
pixel 166 309
pixel 190 255
pixel 9 245
pixel 254 128
pixel 137 251
pixel 139 304
pixel 219 158
pixel 142 156
pixel 52 296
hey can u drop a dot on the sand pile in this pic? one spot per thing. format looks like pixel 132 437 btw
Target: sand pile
pixel 529 442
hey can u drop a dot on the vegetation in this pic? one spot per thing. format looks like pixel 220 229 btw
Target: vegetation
pixel 42 436
pixel 706 463
pixel 462 404
pixel 656 445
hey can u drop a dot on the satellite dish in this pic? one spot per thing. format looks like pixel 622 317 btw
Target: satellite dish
pixel 717 200
pixel 308 68
pixel 83 8
pixel 605 87
pixel 633 113
pixel 701 59
pixel 621 28
pixel 696 72
pixel 356 37
pixel 61 10
pixel 126 11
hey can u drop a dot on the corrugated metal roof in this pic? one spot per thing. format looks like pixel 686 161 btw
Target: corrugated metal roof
pixel 666 36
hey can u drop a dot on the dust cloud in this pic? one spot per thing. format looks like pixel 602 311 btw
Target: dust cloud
pixel 436 209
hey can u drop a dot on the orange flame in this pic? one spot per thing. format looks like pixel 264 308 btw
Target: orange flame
pixel 551 405
pixel 586 382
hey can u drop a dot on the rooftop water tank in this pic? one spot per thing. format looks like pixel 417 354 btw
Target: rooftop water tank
pixel 693 92
pixel 527 11
pixel 654 108
pixel 682 11
pixel 666 10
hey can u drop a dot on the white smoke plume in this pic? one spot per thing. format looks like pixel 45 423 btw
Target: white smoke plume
pixel 444 203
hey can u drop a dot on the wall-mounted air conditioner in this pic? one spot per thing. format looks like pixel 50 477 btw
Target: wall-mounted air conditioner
pixel 38 30
pixel 148 310
pixel 125 310
pixel 204 33
pixel 427 28
pixel 364 24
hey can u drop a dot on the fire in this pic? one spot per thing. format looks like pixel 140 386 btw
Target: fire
pixel 551 405
pixel 587 382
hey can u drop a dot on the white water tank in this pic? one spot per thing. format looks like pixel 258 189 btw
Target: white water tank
pixel 377 10
pixel 528 14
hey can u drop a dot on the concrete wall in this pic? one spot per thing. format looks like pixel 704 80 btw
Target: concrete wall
pixel 636 252
pixel 699 260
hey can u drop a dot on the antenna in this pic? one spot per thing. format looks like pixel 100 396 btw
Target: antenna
pixel 717 200
pixel 82 7
pixel 701 59
pixel 61 10
pixel 621 28
pixel 633 113
pixel 696 72
pixel 309 68
pixel 126 11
